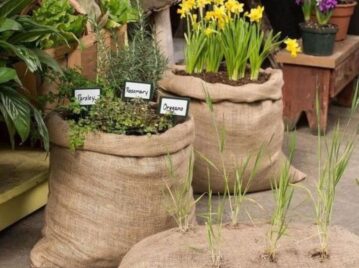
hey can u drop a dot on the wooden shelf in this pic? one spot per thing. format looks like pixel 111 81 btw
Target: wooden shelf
pixel 342 50
pixel 23 183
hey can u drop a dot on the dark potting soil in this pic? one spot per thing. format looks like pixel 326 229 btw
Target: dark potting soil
pixel 222 77
pixel 317 26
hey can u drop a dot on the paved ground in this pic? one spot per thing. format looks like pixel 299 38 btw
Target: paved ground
pixel 16 241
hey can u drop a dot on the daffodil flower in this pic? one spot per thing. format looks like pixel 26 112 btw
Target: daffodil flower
pixel 293 47
pixel 256 14
pixel 234 6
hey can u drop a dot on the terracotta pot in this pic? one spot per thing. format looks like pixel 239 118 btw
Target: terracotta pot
pixel 341 17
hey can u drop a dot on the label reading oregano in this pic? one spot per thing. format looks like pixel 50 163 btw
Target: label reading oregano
pixel 176 106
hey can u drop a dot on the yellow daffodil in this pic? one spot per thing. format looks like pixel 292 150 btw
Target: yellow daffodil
pixel 256 14
pixel 202 3
pixel 218 2
pixel 234 6
pixel 219 12
pixel 208 31
pixel 293 47
pixel 209 16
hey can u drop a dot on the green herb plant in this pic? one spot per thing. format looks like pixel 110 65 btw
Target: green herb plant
pixel 283 193
pixel 141 60
pixel 60 15
pixel 178 205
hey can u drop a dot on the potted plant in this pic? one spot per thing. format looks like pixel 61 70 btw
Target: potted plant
pixel 246 99
pixel 111 163
pixel 341 17
pixel 318 35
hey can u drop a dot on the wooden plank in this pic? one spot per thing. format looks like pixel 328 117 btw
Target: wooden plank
pixel 23 205
pixel 342 50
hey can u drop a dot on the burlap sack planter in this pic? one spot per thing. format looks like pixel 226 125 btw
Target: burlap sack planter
pixel 243 248
pixel 109 195
pixel 252 117
pixel 157 5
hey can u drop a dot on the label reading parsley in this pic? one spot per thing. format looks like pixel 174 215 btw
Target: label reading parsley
pixel 87 96
pixel 176 106
pixel 138 90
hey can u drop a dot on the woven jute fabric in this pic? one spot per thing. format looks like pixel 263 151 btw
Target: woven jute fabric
pixel 244 247
pixel 106 197
pixel 251 116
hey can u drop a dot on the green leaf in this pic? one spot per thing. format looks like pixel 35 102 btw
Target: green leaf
pixel 9 25
pixel 44 134
pixel 8 74
pixel 47 60
pixel 16 108
pixel 10 8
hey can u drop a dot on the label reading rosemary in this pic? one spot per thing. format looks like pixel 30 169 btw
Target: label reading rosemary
pixel 176 106
pixel 87 96
pixel 138 90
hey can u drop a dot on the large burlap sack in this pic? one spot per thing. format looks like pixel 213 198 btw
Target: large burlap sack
pixel 244 247
pixel 109 195
pixel 252 117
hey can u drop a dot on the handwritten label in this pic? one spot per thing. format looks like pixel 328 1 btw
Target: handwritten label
pixel 175 106
pixel 138 90
pixel 87 96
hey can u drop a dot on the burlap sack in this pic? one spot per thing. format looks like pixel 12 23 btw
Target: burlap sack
pixel 244 247
pixel 252 117
pixel 109 195
pixel 157 5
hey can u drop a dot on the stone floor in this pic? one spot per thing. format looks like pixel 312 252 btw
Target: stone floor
pixel 17 240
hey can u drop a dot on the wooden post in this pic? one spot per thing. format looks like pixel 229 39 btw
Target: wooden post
pixel 163 32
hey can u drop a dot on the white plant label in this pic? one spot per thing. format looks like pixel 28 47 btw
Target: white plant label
pixel 87 96
pixel 175 106
pixel 137 90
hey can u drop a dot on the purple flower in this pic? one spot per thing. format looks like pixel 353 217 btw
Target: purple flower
pixel 299 2
pixel 326 5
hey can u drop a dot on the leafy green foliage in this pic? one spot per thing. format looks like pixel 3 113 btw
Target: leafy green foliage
pixel 60 15
pixel 16 111
pixel 119 12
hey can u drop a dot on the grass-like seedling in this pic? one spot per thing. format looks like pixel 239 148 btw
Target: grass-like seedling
pixel 179 205
pixel 214 225
pixel 241 187
pixel 337 156
pixel 283 193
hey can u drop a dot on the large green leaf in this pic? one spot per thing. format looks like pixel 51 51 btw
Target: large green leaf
pixel 9 124
pixel 44 134
pixel 10 8
pixel 17 108
pixel 9 25
pixel 8 74
pixel 25 54
pixel 47 60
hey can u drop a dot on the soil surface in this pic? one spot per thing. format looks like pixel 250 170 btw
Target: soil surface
pixel 222 77
pixel 315 25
